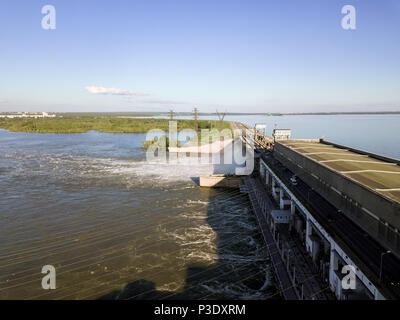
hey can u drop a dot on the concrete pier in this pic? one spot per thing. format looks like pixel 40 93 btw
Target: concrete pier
pixel 220 181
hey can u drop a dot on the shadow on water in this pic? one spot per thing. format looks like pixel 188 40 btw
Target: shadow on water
pixel 196 180
pixel 106 223
pixel 242 269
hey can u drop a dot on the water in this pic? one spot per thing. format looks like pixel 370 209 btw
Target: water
pixel 374 133
pixel 115 226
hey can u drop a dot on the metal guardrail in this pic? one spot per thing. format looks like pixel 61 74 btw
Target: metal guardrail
pixel 257 139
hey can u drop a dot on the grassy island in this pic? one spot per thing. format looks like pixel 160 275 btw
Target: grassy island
pixel 80 124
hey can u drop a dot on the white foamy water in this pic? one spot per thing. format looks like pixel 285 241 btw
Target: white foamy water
pixel 117 226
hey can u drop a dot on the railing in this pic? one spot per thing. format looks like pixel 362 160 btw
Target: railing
pixel 256 138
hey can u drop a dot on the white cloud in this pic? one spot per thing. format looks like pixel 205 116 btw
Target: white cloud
pixel 160 101
pixel 112 91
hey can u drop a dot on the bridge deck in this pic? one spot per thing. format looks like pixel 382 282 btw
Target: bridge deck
pixel 380 176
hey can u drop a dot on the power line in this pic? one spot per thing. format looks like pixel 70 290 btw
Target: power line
pixel 131 231
pixel 104 240
pixel 154 290
pixel 146 247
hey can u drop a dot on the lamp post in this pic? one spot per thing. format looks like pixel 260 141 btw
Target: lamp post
pixel 380 269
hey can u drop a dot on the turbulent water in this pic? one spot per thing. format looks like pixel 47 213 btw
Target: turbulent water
pixel 115 226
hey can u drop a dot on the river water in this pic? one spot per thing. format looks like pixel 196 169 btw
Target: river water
pixel 115 226
pixel 378 133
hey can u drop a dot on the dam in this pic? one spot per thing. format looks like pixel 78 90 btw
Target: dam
pixel 123 228
pixel 331 210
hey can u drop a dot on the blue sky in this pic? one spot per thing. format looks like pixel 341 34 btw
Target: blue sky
pixel 240 56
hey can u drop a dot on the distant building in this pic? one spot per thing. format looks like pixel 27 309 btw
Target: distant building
pixel 282 134
pixel 27 115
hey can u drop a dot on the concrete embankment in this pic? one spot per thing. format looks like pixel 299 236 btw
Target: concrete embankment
pixel 220 181
pixel 215 147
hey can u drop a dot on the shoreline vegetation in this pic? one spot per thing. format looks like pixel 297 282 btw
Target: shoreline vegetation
pixel 163 141
pixel 111 124
pixel 132 122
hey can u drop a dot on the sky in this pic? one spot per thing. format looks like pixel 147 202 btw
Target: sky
pixel 235 56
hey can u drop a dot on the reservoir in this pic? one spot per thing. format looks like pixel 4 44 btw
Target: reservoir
pixel 378 133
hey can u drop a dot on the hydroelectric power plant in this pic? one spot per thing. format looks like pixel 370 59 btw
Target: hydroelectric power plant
pixel 330 216
pixel 312 220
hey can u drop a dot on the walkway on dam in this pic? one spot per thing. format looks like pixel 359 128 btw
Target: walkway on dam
pixel 286 287
pixel 290 262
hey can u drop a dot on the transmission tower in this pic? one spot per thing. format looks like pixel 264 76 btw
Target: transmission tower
pixel 221 117
pixel 196 118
